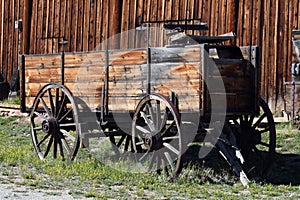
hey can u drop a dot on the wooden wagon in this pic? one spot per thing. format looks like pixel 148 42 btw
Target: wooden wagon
pixel 153 102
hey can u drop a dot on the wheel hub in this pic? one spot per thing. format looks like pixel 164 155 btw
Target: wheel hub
pixel 153 142
pixel 50 126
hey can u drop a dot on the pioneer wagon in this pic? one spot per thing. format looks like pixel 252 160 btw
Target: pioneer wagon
pixel 152 101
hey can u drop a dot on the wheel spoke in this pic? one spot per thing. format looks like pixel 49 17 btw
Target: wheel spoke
pixel 148 121
pixel 51 102
pixel 67 125
pixel 169 159
pixel 55 147
pixel 251 119
pixel 56 101
pixel 43 140
pixel 61 150
pixel 46 107
pixel 144 156
pixel 62 106
pixel 257 123
pixel 66 145
pixel 157 164
pixel 142 129
pixel 170 138
pixel 169 128
pixel 38 128
pixel 151 114
pixel 127 142
pixel 139 143
pixel 71 137
pixel 48 147
pixel 164 121
pixel 65 115
pixel 164 166
pixel 40 115
pixel 60 145
pixel 152 161
pixel 158 117
pixel 121 140
pixel 264 131
pixel 173 149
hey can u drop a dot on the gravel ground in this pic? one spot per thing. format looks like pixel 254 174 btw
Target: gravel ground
pixel 14 192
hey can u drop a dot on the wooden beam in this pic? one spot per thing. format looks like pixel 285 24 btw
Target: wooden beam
pixel 26 26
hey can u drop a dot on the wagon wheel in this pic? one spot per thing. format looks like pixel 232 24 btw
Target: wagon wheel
pixel 257 136
pixel 54 123
pixel 157 135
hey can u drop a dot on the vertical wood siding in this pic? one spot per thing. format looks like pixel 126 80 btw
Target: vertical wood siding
pixel 87 23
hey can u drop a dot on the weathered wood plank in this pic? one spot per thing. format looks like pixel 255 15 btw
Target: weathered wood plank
pixel 131 57
pixel 85 59
pixel 41 61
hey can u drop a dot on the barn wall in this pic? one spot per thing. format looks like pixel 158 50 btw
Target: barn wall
pixel 85 24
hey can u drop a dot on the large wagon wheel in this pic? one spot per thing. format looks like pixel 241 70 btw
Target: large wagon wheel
pixel 54 123
pixel 258 135
pixel 157 135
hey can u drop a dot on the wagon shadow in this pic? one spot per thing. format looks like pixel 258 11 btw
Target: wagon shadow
pixel 285 169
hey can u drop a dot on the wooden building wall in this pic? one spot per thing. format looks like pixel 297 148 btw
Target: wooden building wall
pixel 87 23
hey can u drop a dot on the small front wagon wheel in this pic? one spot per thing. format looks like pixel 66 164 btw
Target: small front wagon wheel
pixel 157 135
pixel 54 123
pixel 258 136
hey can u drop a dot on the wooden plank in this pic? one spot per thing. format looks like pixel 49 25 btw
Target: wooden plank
pixel 92 26
pixel 10 38
pixel 6 40
pixel 68 26
pixel 2 4
pixel 98 20
pixel 128 57
pixel 86 25
pixel 190 54
pixel 51 25
pixel 105 24
pixel 125 24
pixel 37 62
pixel 132 24
pixel 62 25
pixel 85 59
pixel 33 27
pixel 80 26
pixel 43 28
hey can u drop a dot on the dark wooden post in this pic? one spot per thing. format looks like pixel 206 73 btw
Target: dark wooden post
pixel 233 6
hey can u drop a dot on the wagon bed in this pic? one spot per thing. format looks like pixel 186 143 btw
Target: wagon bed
pixel 125 74
pixel 151 91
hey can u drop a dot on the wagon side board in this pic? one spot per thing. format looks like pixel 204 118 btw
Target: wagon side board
pixel 128 75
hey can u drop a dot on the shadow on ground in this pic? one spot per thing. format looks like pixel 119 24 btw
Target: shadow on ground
pixel 285 170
